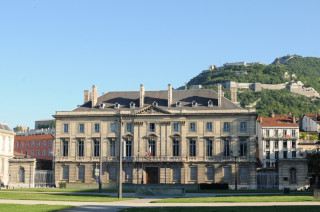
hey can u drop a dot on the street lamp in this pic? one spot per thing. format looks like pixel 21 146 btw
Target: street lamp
pixel 236 173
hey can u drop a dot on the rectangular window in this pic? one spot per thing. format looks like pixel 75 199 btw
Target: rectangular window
pixel 284 133
pixel 226 147
pixel 192 148
pixel 17 144
pixel 65 148
pixel 112 174
pixel 209 148
pixel 44 143
pixel 276 154
pixel 32 152
pixel 209 126
pixel 276 133
pixel 112 127
pixel 152 127
pixel 285 154
pixel 38 143
pixel 49 152
pixel 226 173
pixel 294 154
pixel 80 148
pixel 38 153
pixel 66 128
pixel 80 172
pixel 193 173
pixel 276 144
pixel 243 127
pixel 96 128
pixel 176 145
pixel 285 144
pixel 268 155
pixel 210 173
pixel 65 173
pixel 112 148
pixel 243 147
pixel 176 127
pixel 43 152
pixel 81 128
pixel 32 143
pixel 129 149
pixel 267 143
pixel 129 127
pixel 176 174
pixel 21 144
pixel 293 133
pixel 128 174
pixel 267 133
pixel 96 148
pixel 49 143
pixel 226 127
pixel 27 143
pixel 243 173
pixel 293 144
pixel 192 127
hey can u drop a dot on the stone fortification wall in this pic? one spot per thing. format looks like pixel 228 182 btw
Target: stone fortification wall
pixel 309 92
pixel 274 86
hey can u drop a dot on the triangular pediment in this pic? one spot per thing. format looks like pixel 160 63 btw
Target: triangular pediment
pixel 151 110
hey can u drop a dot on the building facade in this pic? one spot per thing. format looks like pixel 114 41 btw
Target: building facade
pixel 38 146
pixel 278 151
pixel 6 152
pixel 168 137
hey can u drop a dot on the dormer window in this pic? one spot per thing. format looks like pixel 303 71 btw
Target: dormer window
pixel 178 104
pixel 116 106
pixel 155 103
pixel 132 105
pixel 194 104
pixel 210 103
pixel 101 106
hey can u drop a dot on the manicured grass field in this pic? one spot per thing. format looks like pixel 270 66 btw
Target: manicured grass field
pixel 59 197
pixel 67 190
pixel 263 198
pixel 33 208
pixel 227 209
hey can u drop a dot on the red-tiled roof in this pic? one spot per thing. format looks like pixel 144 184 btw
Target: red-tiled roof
pixel 33 137
pixel 313 117
pixel 278 121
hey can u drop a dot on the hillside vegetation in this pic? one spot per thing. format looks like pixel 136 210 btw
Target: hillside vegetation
pixel 306 69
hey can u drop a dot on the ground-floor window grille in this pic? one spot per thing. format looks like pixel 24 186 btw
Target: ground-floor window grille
pixel 210 173
pixel 128 174
pixel 80 172
pixel 176 174
pixel 243 173
pixel 112 174
pixel 193 173
pixel 226 173
pixel 65 172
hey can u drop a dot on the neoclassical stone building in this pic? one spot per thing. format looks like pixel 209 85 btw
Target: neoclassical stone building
pixel 169 136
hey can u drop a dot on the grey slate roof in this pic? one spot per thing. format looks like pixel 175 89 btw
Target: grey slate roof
pixel 5 127
pixel 124 98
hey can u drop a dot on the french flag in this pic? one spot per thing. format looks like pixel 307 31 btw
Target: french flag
pixel 149 153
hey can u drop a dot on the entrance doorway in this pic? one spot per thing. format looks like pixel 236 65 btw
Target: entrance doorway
pixel 152 175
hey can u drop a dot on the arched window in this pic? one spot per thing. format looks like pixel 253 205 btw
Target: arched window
pixel 21 175
pixel 152 146
pixel 128 148
pixel 175 147
pixel 293 176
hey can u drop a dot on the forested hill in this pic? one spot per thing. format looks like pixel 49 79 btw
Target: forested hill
pixel 306 69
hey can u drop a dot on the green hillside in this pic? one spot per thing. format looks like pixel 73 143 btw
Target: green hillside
pixel 306 69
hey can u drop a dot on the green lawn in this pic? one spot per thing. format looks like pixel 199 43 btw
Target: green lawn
pixel 228 209
pixel 32 208
pixel 262 198
pixel 59 197
pixel 67 190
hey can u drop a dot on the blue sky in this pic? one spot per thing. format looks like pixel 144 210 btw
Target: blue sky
pixel 50 51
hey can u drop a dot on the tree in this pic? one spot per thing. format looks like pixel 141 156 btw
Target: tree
pixel 314 165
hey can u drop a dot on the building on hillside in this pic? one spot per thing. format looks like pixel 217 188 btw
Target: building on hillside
pixel 310 122
pixel 44 124
pixel 279 153
pixel 21 171
pixel 6 152
pixel 169 137
pixel 19 128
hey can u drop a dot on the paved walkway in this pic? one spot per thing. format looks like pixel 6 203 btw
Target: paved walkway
pixel 146 202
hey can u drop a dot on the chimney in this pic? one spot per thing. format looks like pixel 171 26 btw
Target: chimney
pixel 233 94
pixel 260 118
pixel 141 95
pixel 87 96
pixel 293 118
pixel 169 95
pixel 94 95
pixel 271 114
pixel 219 95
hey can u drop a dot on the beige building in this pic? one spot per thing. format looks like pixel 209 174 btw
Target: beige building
pixel 6 152
pixel 169 137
